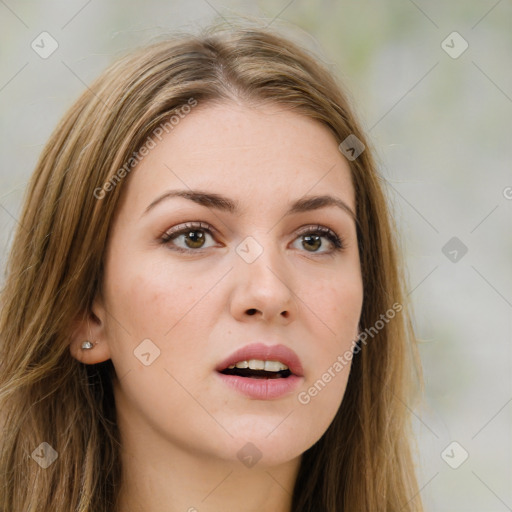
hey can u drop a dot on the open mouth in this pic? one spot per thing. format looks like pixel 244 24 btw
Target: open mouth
pixel 258 369
pixel 262 372
pixel 257 374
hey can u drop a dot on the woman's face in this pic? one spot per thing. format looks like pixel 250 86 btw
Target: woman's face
pixel 219 245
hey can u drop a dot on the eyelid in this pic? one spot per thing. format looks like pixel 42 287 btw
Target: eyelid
pixel 179 228
pixel 316 227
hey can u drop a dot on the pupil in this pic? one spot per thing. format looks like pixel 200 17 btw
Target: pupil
pixel 314 240
pixel 195 239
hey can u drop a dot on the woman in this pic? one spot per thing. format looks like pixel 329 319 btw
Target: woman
pixel 204 309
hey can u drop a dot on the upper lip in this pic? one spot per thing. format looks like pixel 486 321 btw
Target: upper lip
pixel 265 353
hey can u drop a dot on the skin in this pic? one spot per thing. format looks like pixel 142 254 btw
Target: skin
pixel 181 426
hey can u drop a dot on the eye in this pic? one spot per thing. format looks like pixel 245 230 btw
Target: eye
pixel 194 237
pixel 190 236
pixel 319 239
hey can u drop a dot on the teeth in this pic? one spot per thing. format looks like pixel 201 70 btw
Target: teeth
pixel 274 366
pixel 258 364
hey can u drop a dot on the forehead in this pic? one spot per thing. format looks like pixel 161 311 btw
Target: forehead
pixel 253 153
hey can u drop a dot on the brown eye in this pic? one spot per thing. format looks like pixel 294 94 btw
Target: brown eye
pixel 188 237
pixel 319 240
pixel 311 242
pixel 194 239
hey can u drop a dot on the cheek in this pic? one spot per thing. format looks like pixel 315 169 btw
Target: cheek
pixel 174 309
pixel 149 302
pixel 150 299
pixel 339 305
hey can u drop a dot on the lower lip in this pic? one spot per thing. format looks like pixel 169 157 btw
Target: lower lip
pixel 262 389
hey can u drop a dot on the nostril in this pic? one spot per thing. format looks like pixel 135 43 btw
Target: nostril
pixel 251 311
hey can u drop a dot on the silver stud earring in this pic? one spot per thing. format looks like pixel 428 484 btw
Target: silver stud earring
pixel 87 345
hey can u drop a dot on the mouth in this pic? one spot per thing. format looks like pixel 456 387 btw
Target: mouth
pixel 262 372
pixel 258 369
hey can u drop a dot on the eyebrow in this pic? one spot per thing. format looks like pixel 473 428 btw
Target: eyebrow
pixel 223 203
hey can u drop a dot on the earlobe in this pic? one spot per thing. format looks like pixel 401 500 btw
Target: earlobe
pixel 89 352
pixel 88 341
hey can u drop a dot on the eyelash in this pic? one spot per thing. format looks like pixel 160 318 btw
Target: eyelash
pixel 337 241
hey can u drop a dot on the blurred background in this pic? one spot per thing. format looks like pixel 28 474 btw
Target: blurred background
pixel 432 85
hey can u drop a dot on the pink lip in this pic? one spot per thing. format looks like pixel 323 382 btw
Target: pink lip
pixel 264 389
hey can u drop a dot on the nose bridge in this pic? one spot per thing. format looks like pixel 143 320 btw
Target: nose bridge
pixel 263 280
pixel 260 255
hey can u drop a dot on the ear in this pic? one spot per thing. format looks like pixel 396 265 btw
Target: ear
pixel 90 326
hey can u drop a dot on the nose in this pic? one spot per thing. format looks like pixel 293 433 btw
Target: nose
pixel 263 289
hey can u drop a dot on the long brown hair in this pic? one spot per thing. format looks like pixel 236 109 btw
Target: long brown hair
pixel 363 461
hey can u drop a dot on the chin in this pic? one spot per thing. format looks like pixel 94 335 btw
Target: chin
pixel 267 447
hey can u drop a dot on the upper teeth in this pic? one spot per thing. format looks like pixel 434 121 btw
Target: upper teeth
pixel 258 364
